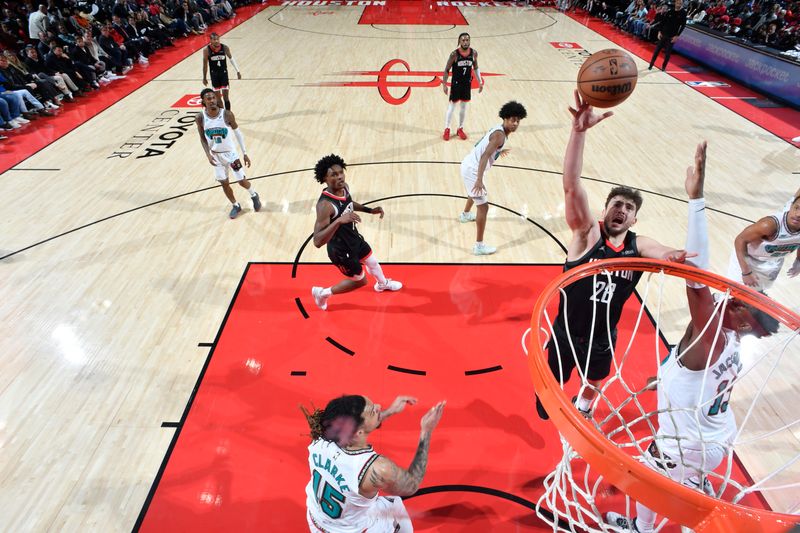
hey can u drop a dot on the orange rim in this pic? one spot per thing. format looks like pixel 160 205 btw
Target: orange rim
pixel 658 492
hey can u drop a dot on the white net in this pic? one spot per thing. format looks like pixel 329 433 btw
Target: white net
pixel 739 444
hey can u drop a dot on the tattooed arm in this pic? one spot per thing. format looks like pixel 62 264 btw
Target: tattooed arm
pixel 384 475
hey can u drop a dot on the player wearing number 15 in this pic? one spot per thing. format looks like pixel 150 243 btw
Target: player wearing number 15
pixel 590 309
pixel 347 474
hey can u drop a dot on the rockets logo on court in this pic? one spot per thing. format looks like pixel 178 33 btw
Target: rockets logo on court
pixel 394 86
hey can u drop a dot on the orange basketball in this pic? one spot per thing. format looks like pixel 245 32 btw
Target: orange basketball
pixel 607 78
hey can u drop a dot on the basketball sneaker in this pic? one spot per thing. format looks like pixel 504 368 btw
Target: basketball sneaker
pixel 319 298
pixel 256 203
pixel 466 217
pixel 390 285
pixel 483 249
pixel 235 211
pixel 460 133
pixel 616 519
pixel 586 414
pixel 446 134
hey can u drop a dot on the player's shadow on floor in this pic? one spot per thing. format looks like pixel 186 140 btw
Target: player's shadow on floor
pixel 515 425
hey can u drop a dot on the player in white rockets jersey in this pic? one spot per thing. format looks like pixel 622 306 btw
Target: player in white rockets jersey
pixel 217 127
pixel 759 250
pixel 696 427
pixel 478 162
pixel 347 475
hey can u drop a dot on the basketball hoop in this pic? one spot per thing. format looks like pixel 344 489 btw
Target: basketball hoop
pixel 595 456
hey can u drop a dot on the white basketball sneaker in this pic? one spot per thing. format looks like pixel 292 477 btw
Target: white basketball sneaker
pixel 319 298
pixel 390 285
pixel 483 249
pixel 466 217
pixel 621 522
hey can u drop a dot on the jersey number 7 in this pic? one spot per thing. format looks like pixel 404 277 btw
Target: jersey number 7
pixel 330 500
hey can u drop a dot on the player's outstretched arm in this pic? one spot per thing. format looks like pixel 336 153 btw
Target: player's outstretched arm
pixel 397 406
pixel 377 210
pixel 384 475
pixel 576 202
pixel 699 297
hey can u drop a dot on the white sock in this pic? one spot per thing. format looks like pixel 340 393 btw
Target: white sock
pixel 462 112
pixel 645 518
pixel 449 115
pixel 236 204
pixel 374 268
pixel 478 243
pixel 697 236
pixel 252 191
pixel 583 403
pixel 327 292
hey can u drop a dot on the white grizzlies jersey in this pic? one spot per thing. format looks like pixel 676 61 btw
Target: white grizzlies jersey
pixel 332 497
pixel 693 404
pixel 765 258
pixel 784 243
pixel 470 163
pixel 218 133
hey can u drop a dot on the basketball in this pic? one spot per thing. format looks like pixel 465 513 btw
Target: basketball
pixel 607 78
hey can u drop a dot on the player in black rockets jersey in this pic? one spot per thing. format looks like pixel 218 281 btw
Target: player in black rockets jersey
pixel 336 227
pixel 463 60
pixel 595 301
pixel 215 57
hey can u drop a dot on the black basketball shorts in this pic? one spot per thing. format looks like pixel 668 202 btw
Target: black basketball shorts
pixel 460 92
pixel 348 259
pixel 599 359
pixel 219 80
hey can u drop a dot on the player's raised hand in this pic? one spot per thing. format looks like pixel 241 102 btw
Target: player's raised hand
pixel 583 115
pixel 678 256
pixel 696 175
pixel 398 405
pixel 432 417
pixel 347 218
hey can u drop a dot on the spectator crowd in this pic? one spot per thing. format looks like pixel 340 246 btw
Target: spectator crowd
pixel 53 53
pixel 758 22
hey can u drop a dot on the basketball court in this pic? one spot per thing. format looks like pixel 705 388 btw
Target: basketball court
pixel 156 353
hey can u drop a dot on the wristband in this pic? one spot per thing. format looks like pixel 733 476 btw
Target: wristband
pixel 746 273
